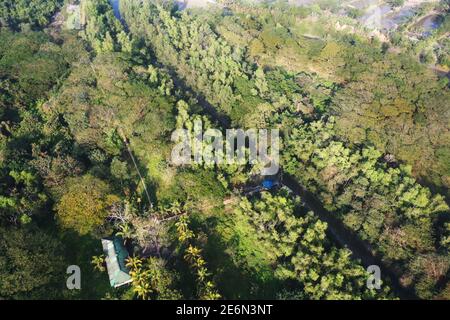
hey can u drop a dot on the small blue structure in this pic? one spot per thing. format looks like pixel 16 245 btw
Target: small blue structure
pixel 268 184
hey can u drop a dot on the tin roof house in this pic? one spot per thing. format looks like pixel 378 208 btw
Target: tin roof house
pixel 116 253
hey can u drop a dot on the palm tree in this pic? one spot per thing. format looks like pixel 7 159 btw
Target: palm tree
pixel 202 274
pixel 209 292
pixel 192 254
pixel 184 233
pixel 141 284
pixel 126 232
pixel 134 263
pixel 98 262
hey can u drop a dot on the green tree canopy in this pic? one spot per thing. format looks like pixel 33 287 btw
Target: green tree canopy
pixel 31 264
pixel 84 204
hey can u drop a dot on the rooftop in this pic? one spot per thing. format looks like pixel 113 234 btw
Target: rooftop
pixel 116 254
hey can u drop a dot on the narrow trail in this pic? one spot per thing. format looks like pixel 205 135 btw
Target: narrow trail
pixel 130 152
pixel 127 144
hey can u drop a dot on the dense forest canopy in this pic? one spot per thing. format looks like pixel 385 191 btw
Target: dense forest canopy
pixel 86 119
pixel 27 14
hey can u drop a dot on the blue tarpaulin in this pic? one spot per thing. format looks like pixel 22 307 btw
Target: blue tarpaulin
pixel 268 184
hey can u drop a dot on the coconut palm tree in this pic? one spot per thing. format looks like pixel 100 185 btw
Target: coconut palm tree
pixel 125 231
pixel 99 262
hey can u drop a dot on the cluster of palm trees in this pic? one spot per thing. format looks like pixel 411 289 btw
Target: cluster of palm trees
pixel 141 285
pixel 193 256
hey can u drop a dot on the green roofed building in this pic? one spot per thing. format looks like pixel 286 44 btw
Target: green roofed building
pixel 116 253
